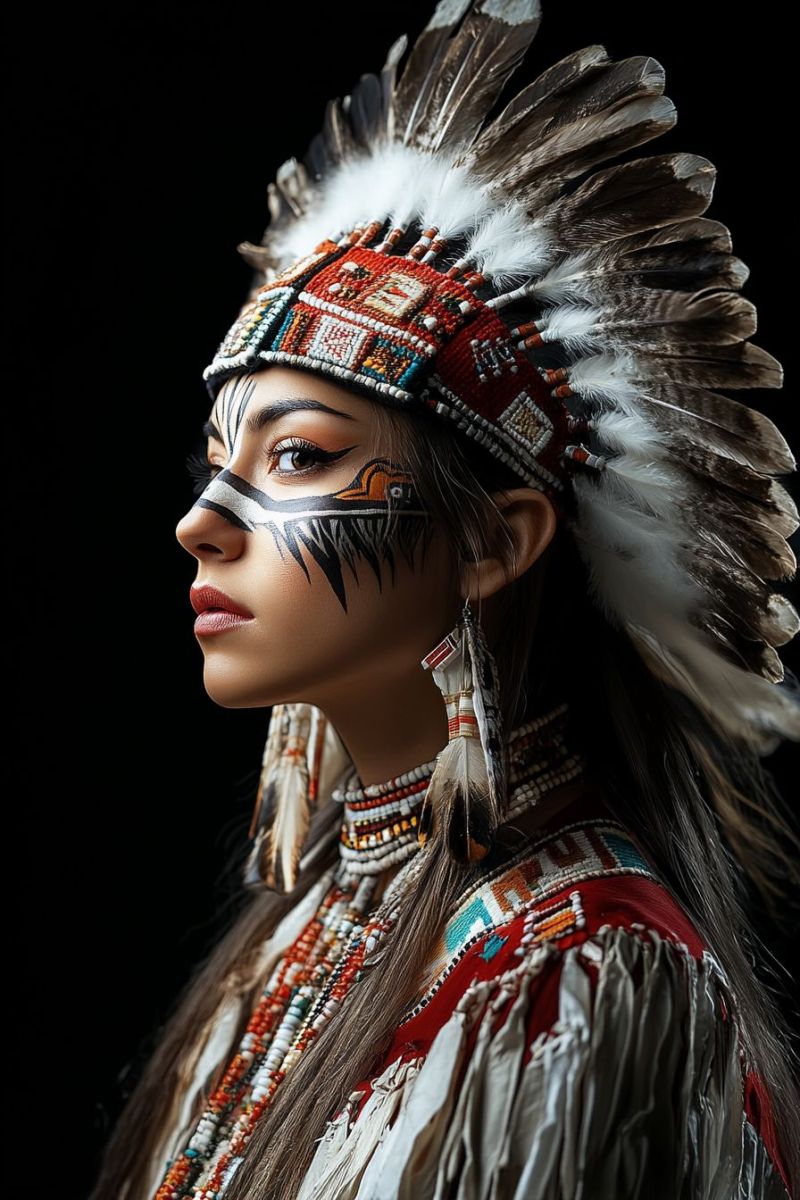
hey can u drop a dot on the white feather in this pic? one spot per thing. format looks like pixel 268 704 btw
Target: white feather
pixel 578 328
pixel 639 585
pixel 450 198
pixel 569 279
pixel 605 375
pixel 629 433
pixel 631 558
pixel 749 706
pixel 508 244
pixel 397 183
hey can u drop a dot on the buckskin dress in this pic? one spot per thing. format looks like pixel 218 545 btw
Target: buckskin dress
pixel 575 1038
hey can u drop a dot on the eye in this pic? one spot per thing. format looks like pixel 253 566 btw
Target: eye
pixel 202 471
pixel 293 448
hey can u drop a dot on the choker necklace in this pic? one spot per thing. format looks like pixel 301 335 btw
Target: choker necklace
pixel 380 820
pixel 379 826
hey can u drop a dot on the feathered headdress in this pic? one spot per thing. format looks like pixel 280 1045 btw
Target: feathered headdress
pixel 576 321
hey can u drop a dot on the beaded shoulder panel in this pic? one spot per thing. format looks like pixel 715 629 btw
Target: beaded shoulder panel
pixel 585 849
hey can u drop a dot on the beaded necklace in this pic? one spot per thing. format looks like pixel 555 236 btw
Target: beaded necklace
pixel 312 977
pixel 380 820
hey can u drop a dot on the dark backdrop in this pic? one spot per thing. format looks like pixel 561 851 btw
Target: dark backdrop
pixel 142 143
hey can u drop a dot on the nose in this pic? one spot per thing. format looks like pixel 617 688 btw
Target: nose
pixel 205 533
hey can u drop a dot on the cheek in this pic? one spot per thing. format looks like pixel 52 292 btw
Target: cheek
pixel 305 633
pixel 305 646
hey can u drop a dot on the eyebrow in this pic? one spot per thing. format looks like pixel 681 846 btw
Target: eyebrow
pixel 265 416
pixel 271 412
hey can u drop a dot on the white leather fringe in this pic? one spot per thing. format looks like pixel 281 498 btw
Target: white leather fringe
pixel 635 1091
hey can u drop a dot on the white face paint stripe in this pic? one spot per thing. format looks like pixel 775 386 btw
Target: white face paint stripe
pixel 228 492
pixel 229 409
pixel 359 521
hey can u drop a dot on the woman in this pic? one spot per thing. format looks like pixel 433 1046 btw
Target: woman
pixel 473 523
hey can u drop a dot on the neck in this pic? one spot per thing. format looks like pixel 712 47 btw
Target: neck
pixel 379 819
pixel 388 726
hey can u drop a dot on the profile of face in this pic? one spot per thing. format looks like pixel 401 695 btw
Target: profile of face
pixel 307 527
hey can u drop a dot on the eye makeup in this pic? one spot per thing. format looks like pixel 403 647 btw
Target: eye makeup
pixel 376 515
pixel 202 472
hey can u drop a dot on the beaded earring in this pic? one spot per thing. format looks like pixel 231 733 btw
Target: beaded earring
pixel 288 789
pixel 466 795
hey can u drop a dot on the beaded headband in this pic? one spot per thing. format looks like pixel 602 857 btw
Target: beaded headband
pixel 397 329
pixel 413 222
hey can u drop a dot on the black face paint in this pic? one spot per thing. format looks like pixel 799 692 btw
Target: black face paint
pixel 375 515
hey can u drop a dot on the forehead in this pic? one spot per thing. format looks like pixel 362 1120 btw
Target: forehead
pixel 256 400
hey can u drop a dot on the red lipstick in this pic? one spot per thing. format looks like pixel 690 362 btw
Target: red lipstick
pixel 216 611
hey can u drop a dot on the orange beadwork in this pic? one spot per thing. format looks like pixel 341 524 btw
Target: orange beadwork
pixel 317 961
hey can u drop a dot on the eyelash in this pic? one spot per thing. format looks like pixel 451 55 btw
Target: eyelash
pixel 200 469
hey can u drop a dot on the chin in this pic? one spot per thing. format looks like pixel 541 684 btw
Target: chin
pixel 228 686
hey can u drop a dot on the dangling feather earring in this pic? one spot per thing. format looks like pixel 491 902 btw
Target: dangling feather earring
pixel 467 791
pixel 287 791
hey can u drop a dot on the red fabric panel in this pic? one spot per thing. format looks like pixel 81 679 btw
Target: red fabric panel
pixel 619 901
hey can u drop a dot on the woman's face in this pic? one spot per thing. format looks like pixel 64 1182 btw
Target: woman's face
pixel 306 526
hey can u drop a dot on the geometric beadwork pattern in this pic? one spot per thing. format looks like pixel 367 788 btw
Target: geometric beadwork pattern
pixel 252 325
pixel 526 422
pixel 584 850
pixel 492 356
pixel 396 329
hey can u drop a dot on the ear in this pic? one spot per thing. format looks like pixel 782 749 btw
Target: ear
pixel 532 523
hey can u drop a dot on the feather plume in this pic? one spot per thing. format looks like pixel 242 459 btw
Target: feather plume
pixel 485 697
pixel 466 793
pixel 457 804
pixel 285 800
pixel 458 68
pixel 681 520
pixel 273 748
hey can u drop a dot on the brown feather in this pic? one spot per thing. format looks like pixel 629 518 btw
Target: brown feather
pixel 743 652
pixel 289 827
pixel 457 802
pixel 565 133
pixel 694 416
pixel 535 168
pixel 762 490
pixel 626 199
pixel 653 319
pixel 477 62
pixel 457 69
pixel 739 596
pixel 540 100
pixel 414 88
pixel 744 365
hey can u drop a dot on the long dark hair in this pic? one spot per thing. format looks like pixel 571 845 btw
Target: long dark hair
pixel 708 814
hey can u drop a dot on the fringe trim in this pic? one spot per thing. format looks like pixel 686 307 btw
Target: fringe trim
pixel 636 1089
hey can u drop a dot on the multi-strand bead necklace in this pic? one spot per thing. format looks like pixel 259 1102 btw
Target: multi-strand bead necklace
pixel 304 990
pixel 314 974
pixel 379 828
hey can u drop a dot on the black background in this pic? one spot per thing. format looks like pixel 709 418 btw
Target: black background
pixel 141 146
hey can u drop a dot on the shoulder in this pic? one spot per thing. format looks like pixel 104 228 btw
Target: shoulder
pixel 559 892
pixel 578 1023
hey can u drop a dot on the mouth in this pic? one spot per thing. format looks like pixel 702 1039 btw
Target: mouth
pixel 218 620
pixel 207 599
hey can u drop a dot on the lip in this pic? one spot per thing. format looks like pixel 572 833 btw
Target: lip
pixel 216 611
pixel 206 596
pixel 218 621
